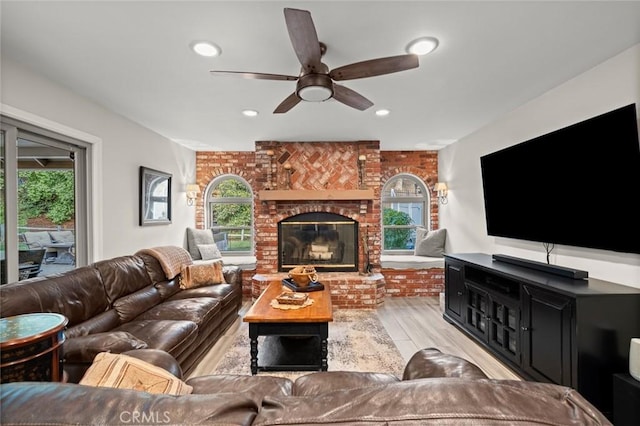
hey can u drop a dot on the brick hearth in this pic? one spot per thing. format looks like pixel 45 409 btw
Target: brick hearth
pixel 348 289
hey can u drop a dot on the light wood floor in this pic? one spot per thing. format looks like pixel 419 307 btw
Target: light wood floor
pixel 413 323
pixel 416 323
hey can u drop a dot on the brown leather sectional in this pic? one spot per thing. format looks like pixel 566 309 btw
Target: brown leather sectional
pixel 128 303
pixel 437 389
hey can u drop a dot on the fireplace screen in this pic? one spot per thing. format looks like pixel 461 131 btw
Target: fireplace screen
pixel 326 240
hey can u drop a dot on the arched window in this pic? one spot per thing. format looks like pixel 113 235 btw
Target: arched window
pixel 230 214
pixel 405 205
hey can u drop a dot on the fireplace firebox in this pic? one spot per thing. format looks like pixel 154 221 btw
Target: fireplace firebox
pixel 327 241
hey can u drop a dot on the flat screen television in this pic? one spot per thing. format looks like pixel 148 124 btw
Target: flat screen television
pixel 576 186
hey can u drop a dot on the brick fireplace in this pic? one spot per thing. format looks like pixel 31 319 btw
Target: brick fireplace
pixel 323 177
pixel 343 179
pixel 293 178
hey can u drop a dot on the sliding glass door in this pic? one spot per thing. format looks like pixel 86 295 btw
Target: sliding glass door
pixel 43 213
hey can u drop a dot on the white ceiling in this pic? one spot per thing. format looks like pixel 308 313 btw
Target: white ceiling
pixel 134 58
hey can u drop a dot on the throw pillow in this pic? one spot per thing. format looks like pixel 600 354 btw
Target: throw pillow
pixel 126 372
pixel 201 274
pixel 421 234
pixel 198 236
pixel 430 243
pixel 209 251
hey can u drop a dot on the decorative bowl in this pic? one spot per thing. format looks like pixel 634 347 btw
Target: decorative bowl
pixel 303 275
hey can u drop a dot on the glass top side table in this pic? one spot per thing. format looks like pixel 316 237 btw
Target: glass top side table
pixel 31 347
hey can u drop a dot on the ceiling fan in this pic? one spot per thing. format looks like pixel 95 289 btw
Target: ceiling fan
pixel 315 82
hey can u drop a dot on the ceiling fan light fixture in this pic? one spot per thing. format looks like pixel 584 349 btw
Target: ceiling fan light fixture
pixel 422 46
pixel 314 87
pixel 206 48
pixel 315 93
pixel 315 81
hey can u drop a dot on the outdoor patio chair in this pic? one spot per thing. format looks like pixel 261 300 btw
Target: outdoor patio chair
pixel 58 244
pixel 39 239
pixel 30 262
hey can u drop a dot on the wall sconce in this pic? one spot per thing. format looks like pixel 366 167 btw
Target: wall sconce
pixel 287 175
pixel 361 160
pixel 192 193
pixel 442 191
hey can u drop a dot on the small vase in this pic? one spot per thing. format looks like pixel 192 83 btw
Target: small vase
pixel 634 358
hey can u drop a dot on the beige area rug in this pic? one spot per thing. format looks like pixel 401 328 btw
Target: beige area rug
pixel 357 342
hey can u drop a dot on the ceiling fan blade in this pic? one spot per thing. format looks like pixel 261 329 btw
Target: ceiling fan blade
pixel 290 101
pixel 350 97
pixel 255 75
pixel 304 38
pixel 374 67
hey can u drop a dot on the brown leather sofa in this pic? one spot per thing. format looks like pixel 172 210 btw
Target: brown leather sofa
pixel 436 389
pixel 128 303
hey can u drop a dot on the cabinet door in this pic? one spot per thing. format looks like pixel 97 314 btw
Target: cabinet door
pixel 454 291
pixel 546 336
pixel 504 327
pixel 477 318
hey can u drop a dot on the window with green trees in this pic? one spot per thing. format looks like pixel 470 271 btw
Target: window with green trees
pixel 405 205
pixel 47 193
pixel 230 214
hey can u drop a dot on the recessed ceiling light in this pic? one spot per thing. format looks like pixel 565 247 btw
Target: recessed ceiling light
pixel 422 45
pixel 250 112
pixel 382 112
pixel 206 48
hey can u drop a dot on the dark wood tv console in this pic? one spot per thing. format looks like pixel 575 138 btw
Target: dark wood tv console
pixel 546 327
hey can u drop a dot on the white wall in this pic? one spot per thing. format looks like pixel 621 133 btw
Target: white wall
pixel 612 84
pixel 125 146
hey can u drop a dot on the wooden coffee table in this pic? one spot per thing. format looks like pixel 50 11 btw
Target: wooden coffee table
pixel 311 321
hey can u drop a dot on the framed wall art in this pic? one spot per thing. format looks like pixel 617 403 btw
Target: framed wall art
pixel 155 197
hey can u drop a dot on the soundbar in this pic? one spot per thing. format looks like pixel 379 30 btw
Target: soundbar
pixel 576 274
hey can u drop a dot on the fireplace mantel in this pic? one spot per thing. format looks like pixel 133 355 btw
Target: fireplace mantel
pixel 315 195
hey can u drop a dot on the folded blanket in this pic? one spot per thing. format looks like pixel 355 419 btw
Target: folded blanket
pixel 171 258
